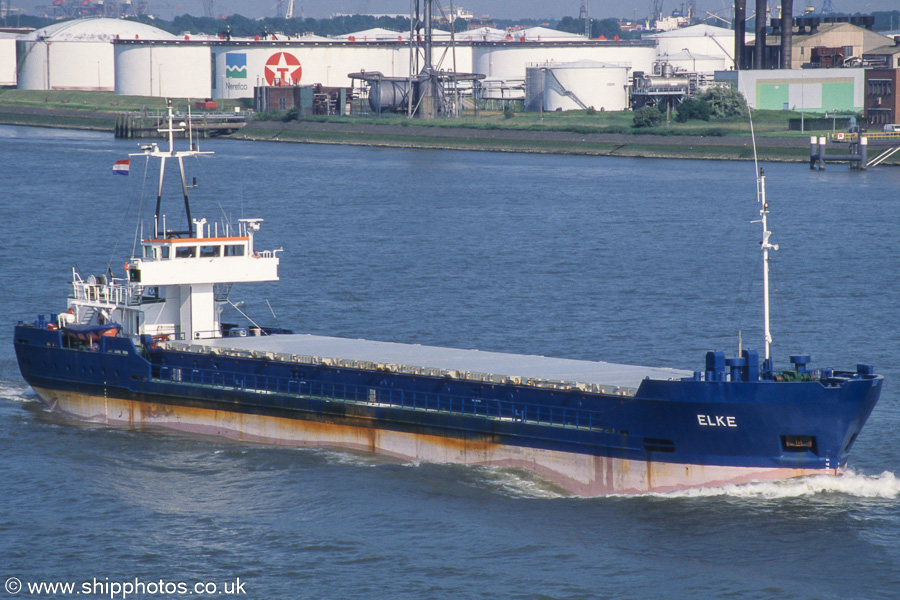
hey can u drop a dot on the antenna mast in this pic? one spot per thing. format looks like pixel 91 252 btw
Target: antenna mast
pixel 766 246
pixel 153 150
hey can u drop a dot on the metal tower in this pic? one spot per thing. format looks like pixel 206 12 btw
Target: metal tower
pixel 585 14
pixel 209 9
pixel 655 11
pixel 431 89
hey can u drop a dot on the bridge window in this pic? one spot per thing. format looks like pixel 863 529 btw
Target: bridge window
pixel 185 251
pixel 234 250
pixel 164 252
pixel 209 251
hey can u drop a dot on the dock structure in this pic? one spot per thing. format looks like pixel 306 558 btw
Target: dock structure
pixel 857 154
pixel 858 149
pixel 138 125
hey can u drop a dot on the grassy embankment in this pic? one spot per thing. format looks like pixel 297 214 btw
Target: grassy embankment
pixel 76 110
pixel 574 132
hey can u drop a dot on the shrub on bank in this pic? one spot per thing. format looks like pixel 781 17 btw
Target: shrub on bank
pixel 725 102
pixel 648 116
pixel 693 108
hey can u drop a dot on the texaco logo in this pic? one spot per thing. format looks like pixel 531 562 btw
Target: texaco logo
pixel 284 67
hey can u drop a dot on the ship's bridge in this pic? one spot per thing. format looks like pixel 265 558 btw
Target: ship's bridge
pixel 205 259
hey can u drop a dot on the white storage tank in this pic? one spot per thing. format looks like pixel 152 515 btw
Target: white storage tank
pixel 576 86
pixel 690 62
pixel 508 59
pixel 698 40
pixel 76 55
pixel 8 59
pixel 239 66
pixel 168 69
pixel 216 68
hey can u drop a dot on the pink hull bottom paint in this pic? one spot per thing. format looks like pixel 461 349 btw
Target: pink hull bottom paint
pixel 579 474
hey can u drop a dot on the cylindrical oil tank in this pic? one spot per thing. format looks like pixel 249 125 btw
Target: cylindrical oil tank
pixel 698 40
pixel 169 69
pixel 76 55
pixel 389 95
pixel 671 85
pixel 578 86
pixel 534 88
pixel 7 60
pixel 509 59
pixel 241 65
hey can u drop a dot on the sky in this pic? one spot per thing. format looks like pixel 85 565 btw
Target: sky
pixel 511 9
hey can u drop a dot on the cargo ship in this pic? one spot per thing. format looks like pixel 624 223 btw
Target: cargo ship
pixel 152 350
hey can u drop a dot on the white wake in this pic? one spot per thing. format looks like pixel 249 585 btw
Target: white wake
pixel 17 393
pixel 851 484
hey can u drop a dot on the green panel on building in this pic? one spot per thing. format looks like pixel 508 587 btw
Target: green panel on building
pixel 772 96
pixel 838 96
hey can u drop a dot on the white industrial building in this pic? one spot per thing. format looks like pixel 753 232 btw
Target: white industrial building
pixel 814 90
pixel 76 55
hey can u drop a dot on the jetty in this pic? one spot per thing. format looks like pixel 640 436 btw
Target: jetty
pixel 140 124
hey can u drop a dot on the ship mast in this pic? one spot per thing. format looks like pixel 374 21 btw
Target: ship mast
pixel 153 150
pixel 765 246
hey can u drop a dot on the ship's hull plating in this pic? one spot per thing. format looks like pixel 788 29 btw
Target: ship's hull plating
pixel 580 474
pixel 671 435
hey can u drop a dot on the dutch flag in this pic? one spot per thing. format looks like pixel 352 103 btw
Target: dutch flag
pixel 121 167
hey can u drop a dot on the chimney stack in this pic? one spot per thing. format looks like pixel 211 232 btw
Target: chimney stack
pixel 740 25
pixel 787 30
pixel 759 50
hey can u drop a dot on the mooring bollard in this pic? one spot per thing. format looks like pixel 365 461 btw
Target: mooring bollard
pixel 813 153
pixel 863 152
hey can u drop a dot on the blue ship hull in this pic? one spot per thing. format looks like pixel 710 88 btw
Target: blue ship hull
pixel 669 434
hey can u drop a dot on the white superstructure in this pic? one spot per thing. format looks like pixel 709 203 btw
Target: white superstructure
pixel 178 286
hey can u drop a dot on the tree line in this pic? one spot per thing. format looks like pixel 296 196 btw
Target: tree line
pixel 240 26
